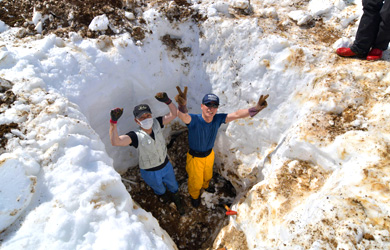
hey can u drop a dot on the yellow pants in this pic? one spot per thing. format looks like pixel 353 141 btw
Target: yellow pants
pixel 200 172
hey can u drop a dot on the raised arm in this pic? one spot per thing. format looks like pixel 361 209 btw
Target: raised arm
pixel 163 97
pixel 243 113
pixel 116 140
pixel 181 100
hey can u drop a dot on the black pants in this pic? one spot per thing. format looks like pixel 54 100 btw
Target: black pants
pixel 374 27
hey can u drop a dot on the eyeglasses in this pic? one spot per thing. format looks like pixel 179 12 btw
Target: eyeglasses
pixel 211 105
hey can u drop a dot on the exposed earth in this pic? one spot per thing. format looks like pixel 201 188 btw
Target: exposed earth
pixel 64 16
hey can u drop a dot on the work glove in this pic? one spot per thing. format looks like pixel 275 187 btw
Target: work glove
pixel 116 114
pixel 261 104
pixel 163 97
pixel 181 99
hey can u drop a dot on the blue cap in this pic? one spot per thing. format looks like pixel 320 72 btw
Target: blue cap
pixel 210 98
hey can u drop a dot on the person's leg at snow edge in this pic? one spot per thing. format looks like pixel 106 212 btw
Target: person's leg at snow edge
pixel 383 37
pixel 200 172
pixel 368 27
pixel 373 34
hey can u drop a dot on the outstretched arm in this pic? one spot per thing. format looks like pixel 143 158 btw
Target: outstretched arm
pixel 243 113
pixel 181 99
pixel 163 97
pixel 116 140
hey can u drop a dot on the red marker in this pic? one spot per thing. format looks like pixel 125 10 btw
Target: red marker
pixel 229 211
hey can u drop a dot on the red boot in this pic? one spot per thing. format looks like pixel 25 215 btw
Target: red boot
pixel 374 54
pixel 347 52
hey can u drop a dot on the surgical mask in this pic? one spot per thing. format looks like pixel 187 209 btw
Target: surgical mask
pixel 147 123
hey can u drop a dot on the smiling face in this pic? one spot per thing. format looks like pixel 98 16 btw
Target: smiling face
pixel 209 110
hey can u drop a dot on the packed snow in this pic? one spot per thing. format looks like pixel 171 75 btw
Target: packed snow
pixel 311 170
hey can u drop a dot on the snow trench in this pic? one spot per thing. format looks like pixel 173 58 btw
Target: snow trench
pixel 302 176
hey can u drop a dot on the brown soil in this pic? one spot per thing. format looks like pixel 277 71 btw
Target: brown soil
pixel 64 16
pixel 5 129
pixel 7 97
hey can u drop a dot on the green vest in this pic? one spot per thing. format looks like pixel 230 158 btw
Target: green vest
pixel 152 153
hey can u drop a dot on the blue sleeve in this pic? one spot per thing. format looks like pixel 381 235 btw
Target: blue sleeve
pixel 222 118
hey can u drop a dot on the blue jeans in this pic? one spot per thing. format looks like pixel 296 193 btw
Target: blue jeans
pixel 157 179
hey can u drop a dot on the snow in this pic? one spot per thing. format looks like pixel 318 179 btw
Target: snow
pixel 99 23
pixel 38 20
pixel 60 186
pixel 3 26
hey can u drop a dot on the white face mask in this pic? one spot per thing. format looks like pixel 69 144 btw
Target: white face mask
pixel 147 123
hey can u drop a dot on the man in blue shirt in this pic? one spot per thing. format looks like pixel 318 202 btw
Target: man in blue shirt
pixel 202 132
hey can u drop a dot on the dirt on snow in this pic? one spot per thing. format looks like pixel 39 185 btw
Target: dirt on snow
pixel 197 228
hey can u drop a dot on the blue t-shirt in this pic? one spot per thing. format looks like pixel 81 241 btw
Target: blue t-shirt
pixel 201 135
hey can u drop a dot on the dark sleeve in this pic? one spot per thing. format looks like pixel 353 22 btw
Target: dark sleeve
pixel 160 120
pixel 134 139
pixel 223 118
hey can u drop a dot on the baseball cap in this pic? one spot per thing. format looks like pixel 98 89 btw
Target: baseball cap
pixel 141 109
pixel 210 98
